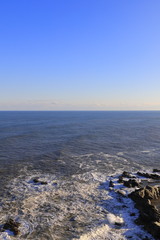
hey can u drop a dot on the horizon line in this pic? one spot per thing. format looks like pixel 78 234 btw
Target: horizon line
pixel 136 110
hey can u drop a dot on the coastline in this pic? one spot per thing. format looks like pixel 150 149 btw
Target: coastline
pixel 88 207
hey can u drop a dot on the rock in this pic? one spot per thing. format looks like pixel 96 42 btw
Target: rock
pixel 132 214
pixel 36 180
pixel 146 238
pixel 155 230
pixel 111 184
pixel 156 170
pixel 149 175
pixel 131 183
pixel 152 192
pixel 118 223
pixel 147 200
pixel 120 179
pixel 126 174
pixel 12 226
pixel 149 214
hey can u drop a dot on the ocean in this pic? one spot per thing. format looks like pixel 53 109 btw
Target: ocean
pixel 73 154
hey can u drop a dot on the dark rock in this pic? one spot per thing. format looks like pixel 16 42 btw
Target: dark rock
pixel 142 198
pixel 156 170
pixel 111 184
pixel 139 221
pixel 36 180
pixel 132 214
pixel 118 224
pixel 131 183
pixel 149 214
pixel 120 179
pixel 155 229
pixel 146 238
pixel 12 226
pixel 126 174
pixel 149 175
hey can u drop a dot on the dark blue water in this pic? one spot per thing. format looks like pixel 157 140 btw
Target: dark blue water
pixel 69 144
pixel 33 137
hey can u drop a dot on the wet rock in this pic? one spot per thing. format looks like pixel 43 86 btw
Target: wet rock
pixel 12 226
pixel 132 214
pixel 36 180
pixel 149 175
pixel 111 184
pixel 155 229
pixel 118 223
pixel 156 170
pixel 120 179
pixel 126 174
pixel 132 183
pixel 146 238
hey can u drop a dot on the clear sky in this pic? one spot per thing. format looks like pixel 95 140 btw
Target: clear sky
pixel 79 55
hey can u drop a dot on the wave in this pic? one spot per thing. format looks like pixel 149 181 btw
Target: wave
pixel 80 207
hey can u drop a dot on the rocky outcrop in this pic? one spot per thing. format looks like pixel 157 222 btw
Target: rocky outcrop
pixel 149 175
pixel 149 213
pixel 131 183
pixel 145 194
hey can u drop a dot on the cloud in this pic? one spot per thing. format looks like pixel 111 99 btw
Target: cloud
pixel 54 104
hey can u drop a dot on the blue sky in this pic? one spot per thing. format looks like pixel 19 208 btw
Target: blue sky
pixel 80 55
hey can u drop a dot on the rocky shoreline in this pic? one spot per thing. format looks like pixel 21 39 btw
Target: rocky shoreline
pixel 144 190
pixel 140 188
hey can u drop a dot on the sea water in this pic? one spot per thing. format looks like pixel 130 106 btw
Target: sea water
pixel 75 153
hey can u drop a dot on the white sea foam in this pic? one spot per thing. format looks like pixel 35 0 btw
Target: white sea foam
pixel 113 219
pixel 83 206
pixel 5 236
pixel 103 232
pixel 120 153
pixel 146 151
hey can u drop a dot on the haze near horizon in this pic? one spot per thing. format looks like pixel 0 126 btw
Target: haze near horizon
pixel 80 55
